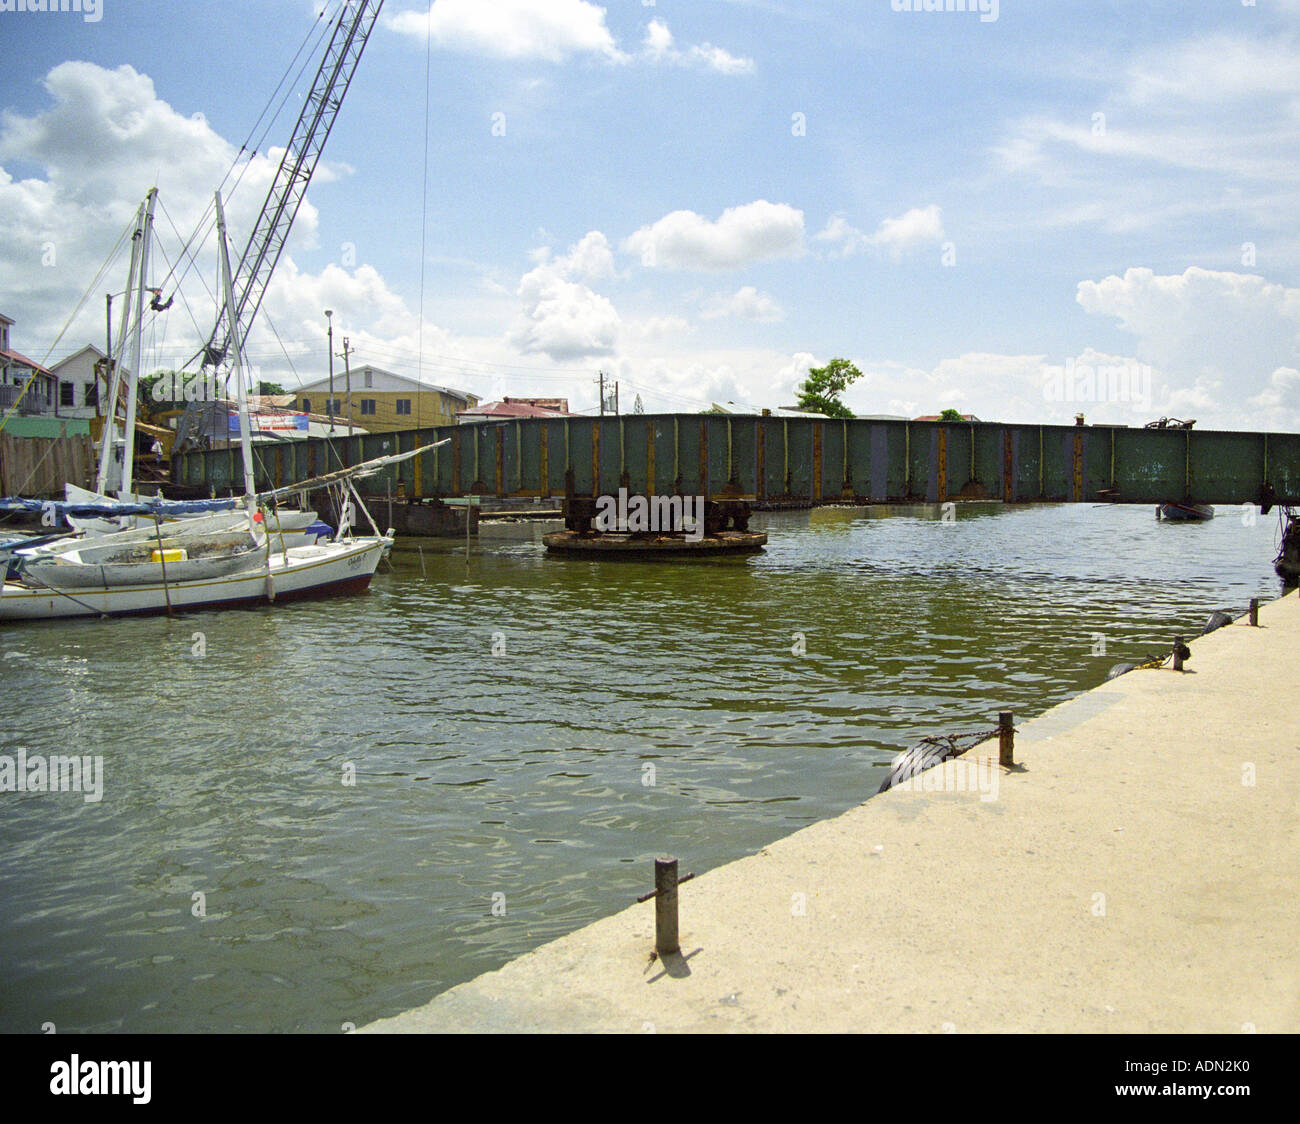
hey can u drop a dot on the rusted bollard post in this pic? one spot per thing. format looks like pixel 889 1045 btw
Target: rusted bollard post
pixel 1178 653
pixel 666 940
pixel 1254 612
pixel 1006 739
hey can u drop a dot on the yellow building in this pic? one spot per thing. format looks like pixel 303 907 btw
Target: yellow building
pixel 382 401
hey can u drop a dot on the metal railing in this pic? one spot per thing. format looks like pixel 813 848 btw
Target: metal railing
pixel 30 404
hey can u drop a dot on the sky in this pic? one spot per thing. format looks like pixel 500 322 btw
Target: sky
pixel 1024 211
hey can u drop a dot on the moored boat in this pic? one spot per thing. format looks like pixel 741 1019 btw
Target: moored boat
pixel 215 560
pixel 643 546
pixel 307 571
pixel 112 564
pixel 1184 512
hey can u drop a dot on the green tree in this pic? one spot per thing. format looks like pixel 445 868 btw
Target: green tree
pixel 270 388
pixel 155 393
pixel 821 390
pixel 951 415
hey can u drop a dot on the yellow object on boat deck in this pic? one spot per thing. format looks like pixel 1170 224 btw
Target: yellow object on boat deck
pixel 169 556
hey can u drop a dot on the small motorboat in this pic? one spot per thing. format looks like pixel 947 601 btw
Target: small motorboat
pixel 1185 512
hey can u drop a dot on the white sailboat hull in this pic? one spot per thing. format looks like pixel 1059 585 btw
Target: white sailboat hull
pixel 326 569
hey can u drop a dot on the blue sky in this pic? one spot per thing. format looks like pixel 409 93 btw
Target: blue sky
pixel 703 199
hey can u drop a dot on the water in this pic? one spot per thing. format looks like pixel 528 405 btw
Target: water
pixel 502 717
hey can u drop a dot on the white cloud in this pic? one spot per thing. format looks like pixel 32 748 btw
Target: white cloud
pixel 1202 320
pixel 552 30
pixel 104 139
pixel 792 374
pixel 914 228
pixel 1215 69
pixel 1220 337
pixel 547 29
pixel 658 46
pixel 746 303
pixel 848 239
pixel 1209 122
pixel 1280 397
pixel 563 318
pixel 994 387
pixel 715 58
pixel 660 327
pixel 754 232
pixel 590 257
pixel 688 383
pixel 1014 388
pixel 917 227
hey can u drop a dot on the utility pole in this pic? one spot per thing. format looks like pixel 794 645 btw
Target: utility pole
pixel 329 403
pixel 347 375
pixel 108 363
pixel 616 398
pixel 602 393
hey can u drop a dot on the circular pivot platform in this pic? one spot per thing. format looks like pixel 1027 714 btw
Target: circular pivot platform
pixel 613 544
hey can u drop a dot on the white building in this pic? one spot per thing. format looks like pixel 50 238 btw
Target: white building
pixel 82 377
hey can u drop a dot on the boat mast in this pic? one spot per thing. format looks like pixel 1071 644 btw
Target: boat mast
pixel 115 472
pixel 110 439
pixel 133 375
pixel 237 350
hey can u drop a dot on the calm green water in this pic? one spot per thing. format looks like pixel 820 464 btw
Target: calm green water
pixel 520 772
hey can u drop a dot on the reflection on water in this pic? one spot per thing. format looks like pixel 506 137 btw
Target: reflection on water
pixel 497 715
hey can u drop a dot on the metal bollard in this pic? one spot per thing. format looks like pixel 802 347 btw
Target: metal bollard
pixel 1178 653
pixel 1254 612
pixel 666 939
pixel 1006 739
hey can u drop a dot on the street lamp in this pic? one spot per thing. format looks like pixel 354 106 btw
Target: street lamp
pixel 329 405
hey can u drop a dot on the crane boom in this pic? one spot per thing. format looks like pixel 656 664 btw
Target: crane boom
pixel 351 30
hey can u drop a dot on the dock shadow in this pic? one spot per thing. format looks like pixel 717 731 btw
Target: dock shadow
pixel 674 964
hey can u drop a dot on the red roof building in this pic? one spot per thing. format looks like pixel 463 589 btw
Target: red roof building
pixel 24 383
pixel 509 408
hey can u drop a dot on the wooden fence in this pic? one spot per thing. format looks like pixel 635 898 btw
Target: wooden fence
pixel 40 466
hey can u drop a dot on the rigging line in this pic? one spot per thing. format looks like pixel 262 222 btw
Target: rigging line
pixel 424 210
pixel 202 228
pixel 266 316
pixel 320 30
pixel 313 30
pixel 184 299
pixel 185 250
pixel 207 219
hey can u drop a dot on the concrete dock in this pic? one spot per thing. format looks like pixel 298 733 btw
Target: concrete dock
pixel 1137 871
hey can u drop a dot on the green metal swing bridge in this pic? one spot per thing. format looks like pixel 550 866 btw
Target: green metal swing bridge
pixel 783 461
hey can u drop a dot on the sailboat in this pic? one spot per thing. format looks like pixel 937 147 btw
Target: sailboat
pixel 117 445
pixel 211 562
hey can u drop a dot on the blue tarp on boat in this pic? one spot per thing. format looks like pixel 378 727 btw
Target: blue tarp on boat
pixel 110 508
